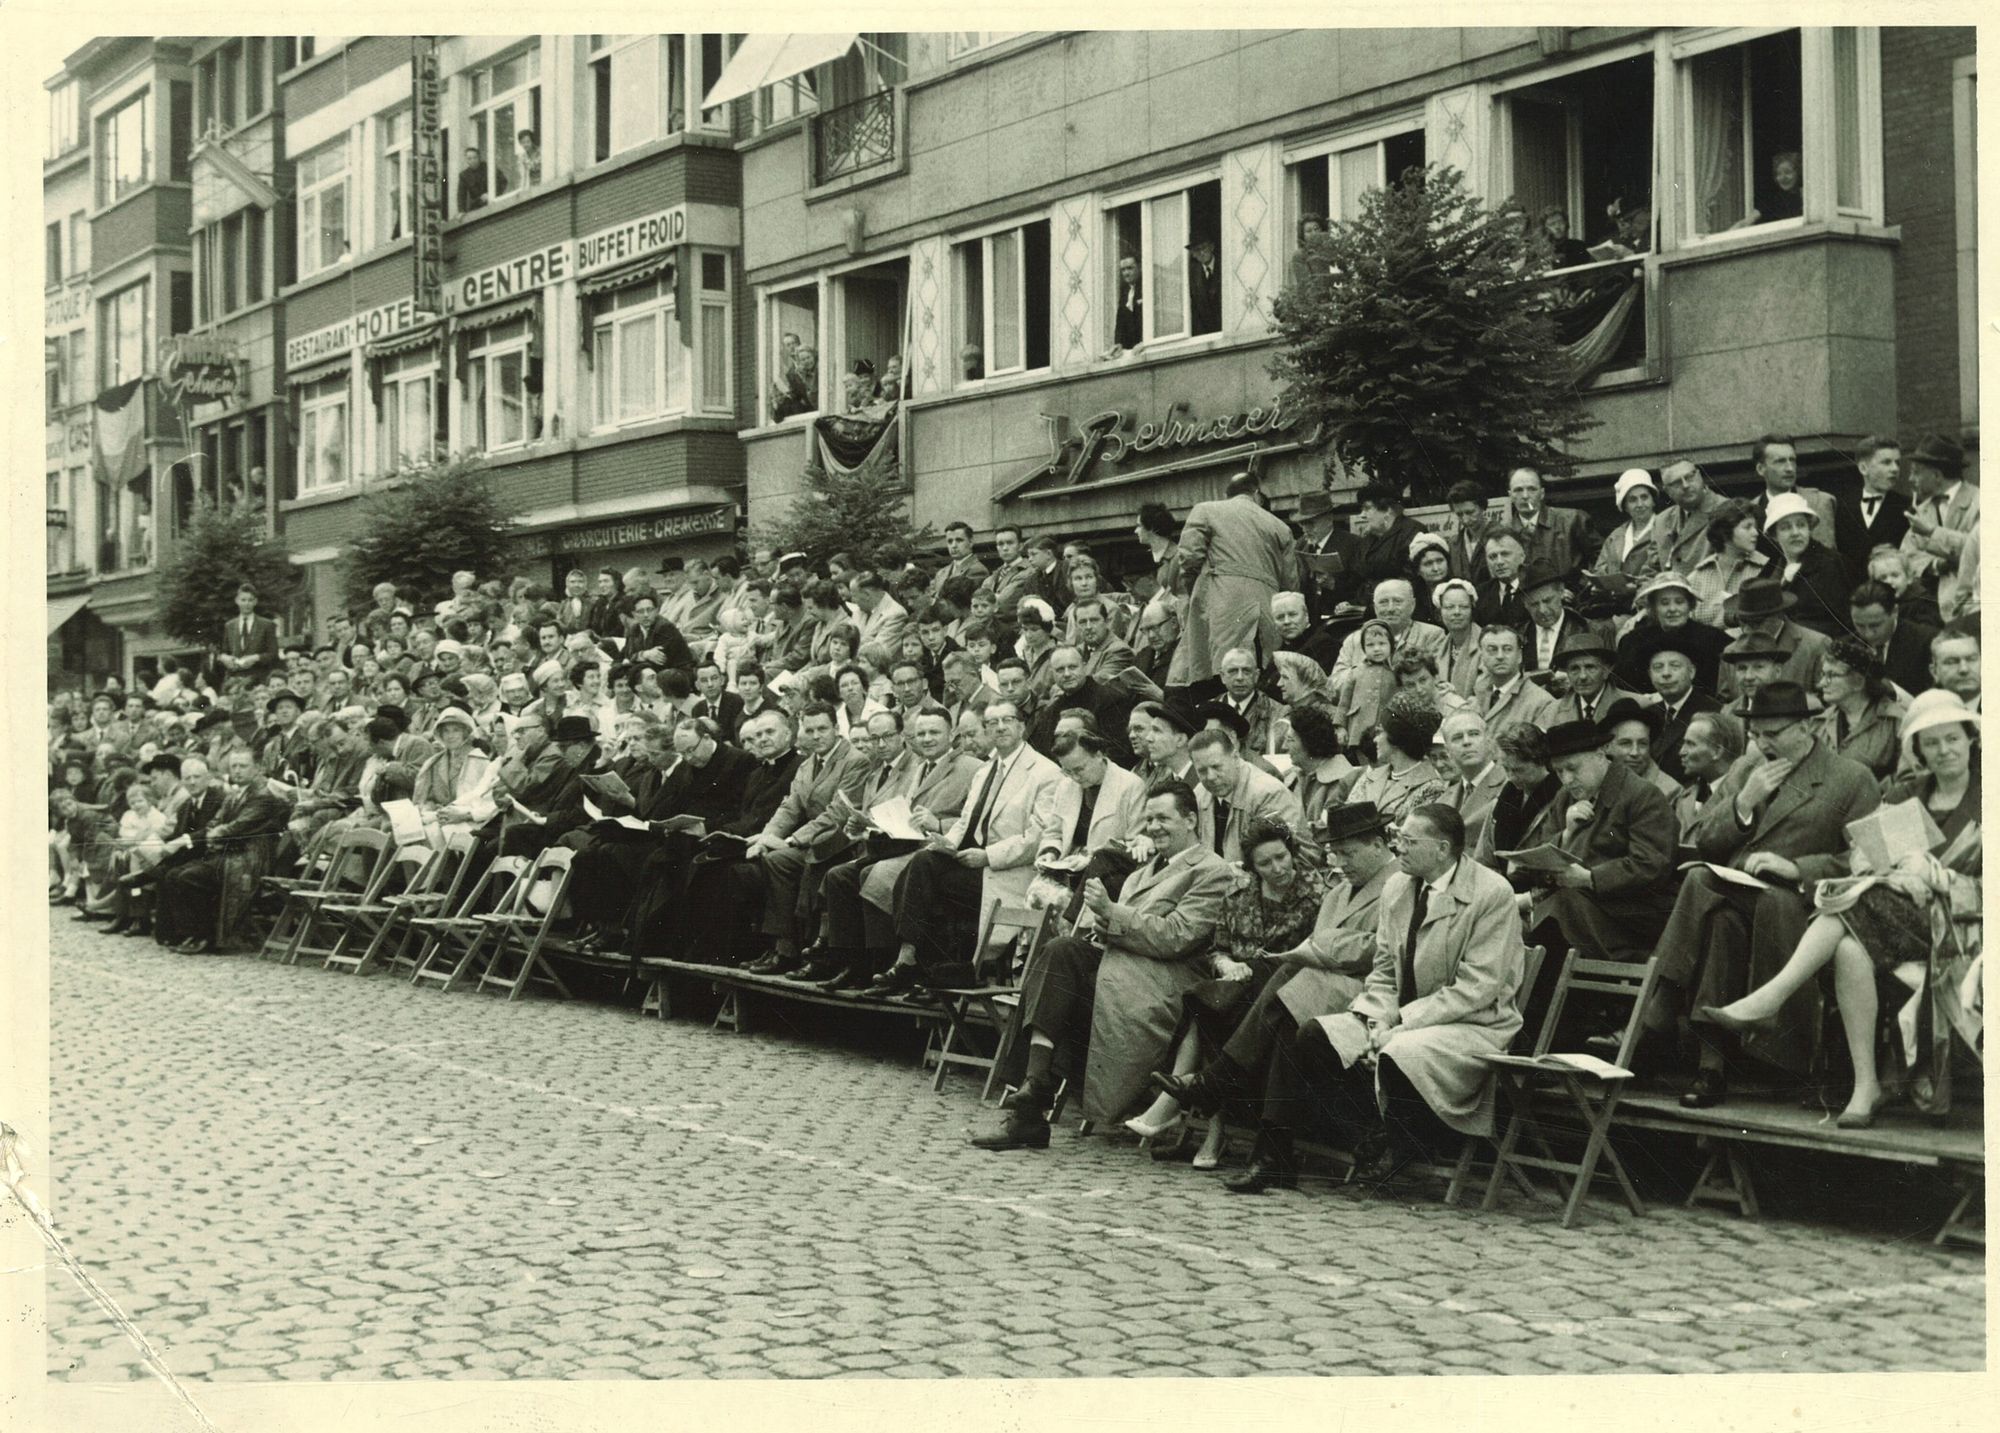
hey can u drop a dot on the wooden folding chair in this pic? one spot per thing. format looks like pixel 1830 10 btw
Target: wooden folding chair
pixel 514 940
pixel 312 864
pixel 361 863
pixel 1591 1096
pixel 413 870
pixel 1008 939
pixel 325 868
pixel 439 892
pixel 450 941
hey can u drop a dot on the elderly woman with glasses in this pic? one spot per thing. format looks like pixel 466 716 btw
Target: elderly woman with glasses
pixel 1919 923
pixel 1862 711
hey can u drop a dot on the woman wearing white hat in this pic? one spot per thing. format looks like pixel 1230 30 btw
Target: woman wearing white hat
pixel 1920 920
pixel 455 787
pixel 1630 555
pixel 1812 571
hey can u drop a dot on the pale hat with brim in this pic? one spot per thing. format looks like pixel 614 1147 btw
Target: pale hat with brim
pixel 1429 539
pixel 1629 479
pixel 1936 707
pixel 1668 581
pixel 455 714
pixel 1786 505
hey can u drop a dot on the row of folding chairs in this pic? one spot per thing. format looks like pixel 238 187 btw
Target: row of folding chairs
pixel 360 902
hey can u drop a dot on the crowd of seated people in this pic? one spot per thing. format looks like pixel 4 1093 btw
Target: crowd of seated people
pixel 1297 886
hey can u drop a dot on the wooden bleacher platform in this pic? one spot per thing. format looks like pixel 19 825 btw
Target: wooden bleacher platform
pixel 1955 1146
pixel 735 983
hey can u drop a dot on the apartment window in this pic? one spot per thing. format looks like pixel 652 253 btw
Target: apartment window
pixel 79 363
pixel 506 104
pixel 79 242
pixel 1330 183
pixel 65 118
pixel 230 258
pixel 394 187
pixel 1741 128
pixel 180 303
pixel 136 514
pixel 55 374
pixel 65 489
pixel 106 509
pixel 180 130
pixel 791 353
pixel 502 388
pixel 322 180
pixel 631 101
pixel 1580 153
pixel 1003 286
pixel 125 334
pixel 124 162
pixel 633 338
pixel 408 410
pixel 256 55
pixel 789 99
pixel 964 42
pixel 713 335
pixel 869 307
pixel 1151 247
pixel 322 460
pixel 52 254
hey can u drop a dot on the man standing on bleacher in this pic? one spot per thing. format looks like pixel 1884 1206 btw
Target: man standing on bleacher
pixel 1165 916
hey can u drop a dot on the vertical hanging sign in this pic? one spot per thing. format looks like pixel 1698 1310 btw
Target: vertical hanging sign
pixel 427 177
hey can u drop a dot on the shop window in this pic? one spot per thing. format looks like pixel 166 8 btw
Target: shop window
pixel 322 459
pixel 322 177
pixel 65 118
pixel 1741 156
pixel 1003 311
pixel 407 410
pixel 125 334
pixel 502 387
pixel 1160 291
pixel 124 155
pixel 791 353
pixel 633 339
pixel 393 178
pixel 713 336
pixel 504 133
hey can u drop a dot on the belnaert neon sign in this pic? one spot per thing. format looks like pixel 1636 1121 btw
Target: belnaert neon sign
pixel 1105 439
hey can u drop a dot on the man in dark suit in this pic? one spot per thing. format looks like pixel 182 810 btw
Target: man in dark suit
pixel 1386 535
pixel 715 700
pixel 1880 515
pixel 191 893
pixel 1669 666
pixel 1560 537
pixel 1303 635
pixel 249 642
pixel 652 639
pixel 1072 686
pixel 1613 899
pixel 1901 645
pixel 1204 287
pixel 1783 820
pixel 1467 553
pixel 1502 592
pixel 1128 326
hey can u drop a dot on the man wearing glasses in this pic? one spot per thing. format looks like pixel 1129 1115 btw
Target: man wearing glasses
pixel 1782 821
pixel 1404 1062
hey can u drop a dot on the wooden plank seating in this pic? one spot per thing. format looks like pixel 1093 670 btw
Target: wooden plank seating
pixel 1729 1130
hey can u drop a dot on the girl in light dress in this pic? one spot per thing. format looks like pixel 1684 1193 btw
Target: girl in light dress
pixel 1360 691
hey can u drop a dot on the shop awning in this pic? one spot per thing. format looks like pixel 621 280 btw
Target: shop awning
pixel 61 609
pixel 319 372
pixel 405 343
pixel 626 275
pixel 766 59
pixel 495 316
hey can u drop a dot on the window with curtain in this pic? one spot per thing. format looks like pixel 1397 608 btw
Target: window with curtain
pixel 406 423
pixel 1003 285
pixel 633 340
pixel 322 179
pixel 1742 163
pixel 791 353
pixel 322 455
pixel 1155 234
pixel 125 331
pixel 506 104
pixel 124 159
pixel 393 187
pixel 712 336
pixel 1580 144
pixel 498 400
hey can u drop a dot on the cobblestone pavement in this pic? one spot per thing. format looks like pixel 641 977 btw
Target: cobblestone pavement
pixel 281 1173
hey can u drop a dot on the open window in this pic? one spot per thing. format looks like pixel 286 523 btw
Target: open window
pixel 1167 265
pixel 1003 302
pixel 869 306
pixel 324 225
pixel 1742 133
pixel 503 130
pixel 503 384
pixel 791 353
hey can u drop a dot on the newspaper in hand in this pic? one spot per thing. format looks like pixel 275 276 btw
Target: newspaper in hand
pixel 595 813
pixel 1545 857
pixel 892 819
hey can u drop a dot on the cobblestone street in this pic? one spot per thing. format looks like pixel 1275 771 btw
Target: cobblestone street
pixel 284 1174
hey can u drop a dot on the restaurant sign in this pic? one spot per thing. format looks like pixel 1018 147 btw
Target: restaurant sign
pixel 427 189
pixel 634 531
pixel 370 326
pixel 1109 448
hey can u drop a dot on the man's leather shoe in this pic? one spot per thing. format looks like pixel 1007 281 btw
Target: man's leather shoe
pixel 814 972
pixel 893 981
pixel 1706 1091
pixel 770 964
pixel 1028 1095
pixel 847 981
pixel 1020 1131
pixel 118 927
pixel 1386 1162
pixel 1274 1164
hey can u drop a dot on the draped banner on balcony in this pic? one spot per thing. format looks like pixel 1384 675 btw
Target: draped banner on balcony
pixel 863 442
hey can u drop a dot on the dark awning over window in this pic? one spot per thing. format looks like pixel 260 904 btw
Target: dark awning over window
pixel 406 343
pixel 495 316
pixel 319 372
pixel 626 276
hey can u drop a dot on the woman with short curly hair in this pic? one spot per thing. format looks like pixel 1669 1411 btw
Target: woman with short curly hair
pixel 1402 778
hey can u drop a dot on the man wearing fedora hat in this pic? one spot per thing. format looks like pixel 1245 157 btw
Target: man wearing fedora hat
pixel 1204 287
pixel 282 747
pixel 1550 621
pixel 1585 659
pixel 1619 834
pixel 1782 820
pixel 1671 676
pixel 1812 572
pixel 1321 976
pixel 1331 556
pixel 1666 604
pixel 1945 515
pixel 1762 608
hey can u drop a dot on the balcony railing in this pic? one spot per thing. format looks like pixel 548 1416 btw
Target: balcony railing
pixel 854 137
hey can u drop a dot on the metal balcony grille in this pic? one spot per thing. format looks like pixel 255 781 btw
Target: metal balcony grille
pixel 854 137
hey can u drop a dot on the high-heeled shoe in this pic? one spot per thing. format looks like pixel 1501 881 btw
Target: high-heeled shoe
pixel 1214 1148
pixel 1719 1015
pixel 1176 1121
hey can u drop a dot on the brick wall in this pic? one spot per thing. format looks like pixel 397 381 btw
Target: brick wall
pixel 1918 196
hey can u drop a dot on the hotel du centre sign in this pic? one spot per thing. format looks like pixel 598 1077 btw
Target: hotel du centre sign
pixel 518 277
